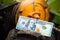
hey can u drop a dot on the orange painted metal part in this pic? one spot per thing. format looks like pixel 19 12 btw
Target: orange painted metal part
pixel 29 7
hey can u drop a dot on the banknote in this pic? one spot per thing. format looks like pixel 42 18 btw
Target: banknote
pixel 39 26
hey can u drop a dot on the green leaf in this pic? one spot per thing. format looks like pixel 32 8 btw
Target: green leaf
pixel 56 19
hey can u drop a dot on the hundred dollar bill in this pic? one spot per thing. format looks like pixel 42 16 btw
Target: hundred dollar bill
pixel 44 28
